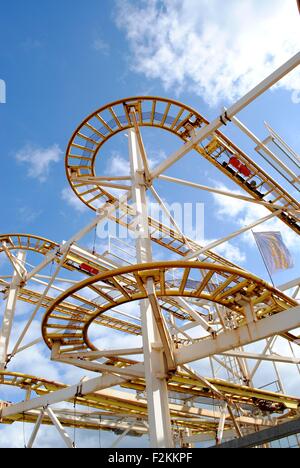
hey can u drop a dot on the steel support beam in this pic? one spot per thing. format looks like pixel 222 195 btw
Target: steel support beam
pixel 264 437
pixel 222 424
pixel 290 285
pixel 121 437
pixel 217 191
pixel 66 394
pixel 9 313
pixel 36 428
pixel 155 368
pixel 62 432
pixel 246 334
pixel 263 357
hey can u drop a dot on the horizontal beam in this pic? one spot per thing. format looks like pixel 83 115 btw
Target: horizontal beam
pixel 263 357
pixel 217 243
pixel 290 285
pixel 93 355
pixel 106 184
pixel 66 394
pixel 246 334
pixel 263 437
pixel 92 180
pixel 135 371
pixel 217 191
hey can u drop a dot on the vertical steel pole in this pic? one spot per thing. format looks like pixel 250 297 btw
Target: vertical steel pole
pixel 155 368
pixel 9 314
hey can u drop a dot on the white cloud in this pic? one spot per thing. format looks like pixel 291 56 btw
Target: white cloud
pixel 218 50
pixel 231 252
pixel 72 200
pixel 23 309
pixel 118 166
pixel 13 437
pixel 38 159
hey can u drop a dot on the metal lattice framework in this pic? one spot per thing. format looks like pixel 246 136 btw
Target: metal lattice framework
pixel 199 309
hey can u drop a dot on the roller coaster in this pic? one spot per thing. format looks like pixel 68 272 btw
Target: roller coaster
pixel 167 340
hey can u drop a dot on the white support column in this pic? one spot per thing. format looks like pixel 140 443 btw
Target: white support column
pixel 222 424
pixel 155 368
pixel 9 313
pixel 38 305
pixel 64 435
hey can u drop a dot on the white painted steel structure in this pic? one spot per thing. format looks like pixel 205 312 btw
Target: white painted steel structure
pixel 228 307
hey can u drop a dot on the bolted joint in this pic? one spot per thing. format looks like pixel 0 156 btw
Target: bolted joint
pixel 157 347
pixel 55 352
pixel 140 178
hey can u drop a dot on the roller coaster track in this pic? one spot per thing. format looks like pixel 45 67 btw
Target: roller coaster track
pixel 122 404
pixel 73 261
pixel 228 287
pixel 88 140
pixel 238 297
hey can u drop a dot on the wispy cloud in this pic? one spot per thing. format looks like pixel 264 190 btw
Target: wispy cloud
pixel 118 165
pixel 68 196
pixel 231 252
pixel 27 214
pixel 38 160
pixel 101 46
pixel 217 50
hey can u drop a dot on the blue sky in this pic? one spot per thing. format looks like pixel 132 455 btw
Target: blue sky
pixel 63 60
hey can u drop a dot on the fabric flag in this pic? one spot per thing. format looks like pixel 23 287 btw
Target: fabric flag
pixel 274 251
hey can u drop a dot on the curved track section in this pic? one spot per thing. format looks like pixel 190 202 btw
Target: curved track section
pixel 229 287
pixel 27 242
